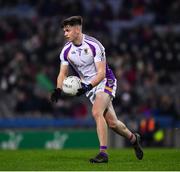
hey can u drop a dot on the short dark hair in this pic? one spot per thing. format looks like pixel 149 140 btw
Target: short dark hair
pixel 72 21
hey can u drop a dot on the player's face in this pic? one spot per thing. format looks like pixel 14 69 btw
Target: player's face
pixel 70 33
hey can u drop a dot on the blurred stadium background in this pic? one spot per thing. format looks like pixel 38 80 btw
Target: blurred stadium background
pixel 142 40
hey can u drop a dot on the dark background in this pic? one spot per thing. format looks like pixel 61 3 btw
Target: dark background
pixel 142 41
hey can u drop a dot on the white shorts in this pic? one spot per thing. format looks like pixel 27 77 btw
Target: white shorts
pixel 106 85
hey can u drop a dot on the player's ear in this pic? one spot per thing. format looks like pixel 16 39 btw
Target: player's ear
pixel 78 28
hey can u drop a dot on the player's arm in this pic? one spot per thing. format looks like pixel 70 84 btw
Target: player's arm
pixel 63 73
pixel 100 62
pixel 101 73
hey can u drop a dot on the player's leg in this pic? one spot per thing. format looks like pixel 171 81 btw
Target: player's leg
pixel 116 124
pixel 122 130
pixel 100 104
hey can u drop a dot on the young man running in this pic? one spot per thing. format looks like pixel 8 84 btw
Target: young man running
pixel 87 56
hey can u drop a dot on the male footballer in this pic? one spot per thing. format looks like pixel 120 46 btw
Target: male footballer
pixel 87 56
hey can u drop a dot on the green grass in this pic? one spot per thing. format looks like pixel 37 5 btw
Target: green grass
pixel 77 160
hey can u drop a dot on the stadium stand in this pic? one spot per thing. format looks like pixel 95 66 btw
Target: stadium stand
pixel 142 37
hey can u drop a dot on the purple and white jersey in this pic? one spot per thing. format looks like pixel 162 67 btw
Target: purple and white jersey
pixel 83 58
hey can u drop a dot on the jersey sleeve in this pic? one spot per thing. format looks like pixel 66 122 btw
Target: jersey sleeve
pixel 63 59
pixel 99 53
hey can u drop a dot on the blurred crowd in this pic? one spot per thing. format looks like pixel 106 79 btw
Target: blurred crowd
pixel 142 41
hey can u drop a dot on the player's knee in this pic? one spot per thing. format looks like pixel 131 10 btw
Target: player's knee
pixel 96 113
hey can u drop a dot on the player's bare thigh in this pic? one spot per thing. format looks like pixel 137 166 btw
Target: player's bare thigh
pixel 101 103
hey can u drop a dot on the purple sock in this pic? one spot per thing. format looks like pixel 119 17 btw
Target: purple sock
pixel 103 147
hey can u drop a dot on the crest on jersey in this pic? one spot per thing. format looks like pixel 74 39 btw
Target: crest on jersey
pixel 86 50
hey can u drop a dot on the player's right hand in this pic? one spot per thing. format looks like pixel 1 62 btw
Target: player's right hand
pixel 84 88
pixel 56 94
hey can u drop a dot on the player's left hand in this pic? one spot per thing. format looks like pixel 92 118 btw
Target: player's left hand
pixel 84 88
pixel 56 94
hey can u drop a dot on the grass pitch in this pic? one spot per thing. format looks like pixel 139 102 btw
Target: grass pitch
pixel 77 160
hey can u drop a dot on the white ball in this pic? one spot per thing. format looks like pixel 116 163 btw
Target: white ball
pixel 71 85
